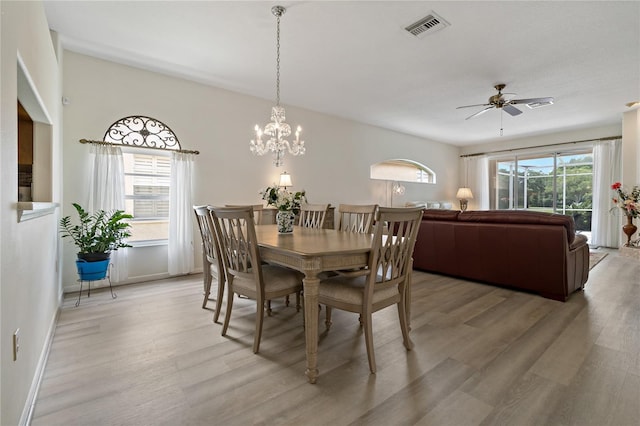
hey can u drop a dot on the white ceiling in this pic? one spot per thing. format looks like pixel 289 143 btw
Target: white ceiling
pixel 354 59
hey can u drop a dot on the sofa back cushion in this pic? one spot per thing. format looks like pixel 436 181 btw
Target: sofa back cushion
pixel 433 214
pixel 521 217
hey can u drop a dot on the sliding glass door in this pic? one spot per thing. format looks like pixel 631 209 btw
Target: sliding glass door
pixel 556 182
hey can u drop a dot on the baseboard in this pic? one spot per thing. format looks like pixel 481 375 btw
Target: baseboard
pixel 74 288
pixel 30 403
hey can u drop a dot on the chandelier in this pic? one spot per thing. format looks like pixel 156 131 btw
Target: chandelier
pixel 277 130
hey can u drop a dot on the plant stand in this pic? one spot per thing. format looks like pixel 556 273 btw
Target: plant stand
pixel 107 277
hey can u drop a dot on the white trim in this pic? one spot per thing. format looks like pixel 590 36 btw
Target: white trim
pixel 30 210
pixel 30 96
pixel 148 243
pixel 104 283
pixel 30 403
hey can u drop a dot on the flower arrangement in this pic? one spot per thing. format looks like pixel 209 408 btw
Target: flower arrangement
pixel 629 202
pixel 282 199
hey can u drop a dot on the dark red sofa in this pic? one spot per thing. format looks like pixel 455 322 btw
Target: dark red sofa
pixel 533 251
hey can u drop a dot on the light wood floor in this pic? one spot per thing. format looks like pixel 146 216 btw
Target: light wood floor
pixel 483 356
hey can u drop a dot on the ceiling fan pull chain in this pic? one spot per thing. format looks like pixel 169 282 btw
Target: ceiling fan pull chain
pixel 501 114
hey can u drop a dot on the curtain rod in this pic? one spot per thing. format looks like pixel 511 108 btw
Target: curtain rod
pixel 185 151
pixel 608 138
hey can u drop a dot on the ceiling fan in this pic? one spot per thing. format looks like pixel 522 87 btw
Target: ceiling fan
pixel 501 102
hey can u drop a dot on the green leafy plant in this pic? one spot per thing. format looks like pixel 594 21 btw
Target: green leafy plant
pixel 100 232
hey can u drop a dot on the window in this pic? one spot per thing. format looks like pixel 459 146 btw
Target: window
pixel 147 183
pixel 146 144
pixel 402 170
pixel 557 183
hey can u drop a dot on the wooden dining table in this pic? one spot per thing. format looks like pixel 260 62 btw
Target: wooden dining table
pixel 312 251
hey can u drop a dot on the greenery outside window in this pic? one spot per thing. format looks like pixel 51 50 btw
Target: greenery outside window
pixel 558 183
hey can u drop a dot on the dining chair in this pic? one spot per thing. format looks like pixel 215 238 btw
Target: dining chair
pixel 245 272
pixel 211 259
pixel 356 217
pixel 257 211
pixel 312 215
pixel 257 216
pixel 384 282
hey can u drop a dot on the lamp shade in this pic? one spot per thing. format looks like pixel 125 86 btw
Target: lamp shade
pixel 285 179
pixel 464 194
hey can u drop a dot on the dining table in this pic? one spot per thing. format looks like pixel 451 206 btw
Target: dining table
pixel 312 251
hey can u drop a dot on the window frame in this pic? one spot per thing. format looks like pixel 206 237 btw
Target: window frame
pixel 558 175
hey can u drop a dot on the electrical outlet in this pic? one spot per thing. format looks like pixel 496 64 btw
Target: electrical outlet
pixel 16 344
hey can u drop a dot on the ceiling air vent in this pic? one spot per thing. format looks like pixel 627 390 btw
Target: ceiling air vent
pixel 427 25
pixel 541 103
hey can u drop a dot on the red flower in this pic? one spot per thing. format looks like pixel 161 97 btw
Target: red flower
pixel 629 202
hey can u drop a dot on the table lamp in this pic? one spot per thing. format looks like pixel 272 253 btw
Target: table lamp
pixel 285 180
pixel 464 195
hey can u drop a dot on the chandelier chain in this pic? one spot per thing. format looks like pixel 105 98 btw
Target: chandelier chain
pixel 278 61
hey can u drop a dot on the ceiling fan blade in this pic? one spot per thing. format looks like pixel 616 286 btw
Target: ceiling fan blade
pixel 482 111
pixel 532 100
pixel 469 106
pixel 511 110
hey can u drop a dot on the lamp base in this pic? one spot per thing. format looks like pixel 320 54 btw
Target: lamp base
pixel 463 204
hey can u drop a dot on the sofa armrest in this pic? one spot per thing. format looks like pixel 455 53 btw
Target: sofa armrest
pixel 578 241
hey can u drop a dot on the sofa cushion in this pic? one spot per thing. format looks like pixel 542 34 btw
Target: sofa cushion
pixel 433 214
pixel 521 217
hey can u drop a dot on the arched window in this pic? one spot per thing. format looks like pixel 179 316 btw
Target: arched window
pixel 147 174
pixel 401 170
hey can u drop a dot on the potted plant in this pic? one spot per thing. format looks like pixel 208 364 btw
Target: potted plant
pixel 96 236
pixel 287 203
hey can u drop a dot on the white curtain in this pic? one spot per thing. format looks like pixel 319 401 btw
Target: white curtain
pixel 478 181
pixel 180 215
pixel 607 167
pixel 107 193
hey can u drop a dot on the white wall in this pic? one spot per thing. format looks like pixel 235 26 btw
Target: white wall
pixel 631 147
pixel 29 274
pixel 547 139
pixel 219 124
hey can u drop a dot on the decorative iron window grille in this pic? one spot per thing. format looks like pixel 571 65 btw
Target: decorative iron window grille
pixel 141 131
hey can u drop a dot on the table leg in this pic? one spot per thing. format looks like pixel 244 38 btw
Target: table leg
pixel 407 305
pixel 311 284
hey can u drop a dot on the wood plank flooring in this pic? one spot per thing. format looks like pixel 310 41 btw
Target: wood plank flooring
pixel 483 356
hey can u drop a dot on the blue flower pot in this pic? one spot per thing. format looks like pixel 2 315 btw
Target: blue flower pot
pixel 92 271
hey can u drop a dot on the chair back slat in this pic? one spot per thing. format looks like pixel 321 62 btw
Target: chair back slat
pixel 312 215
pixel 356 218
